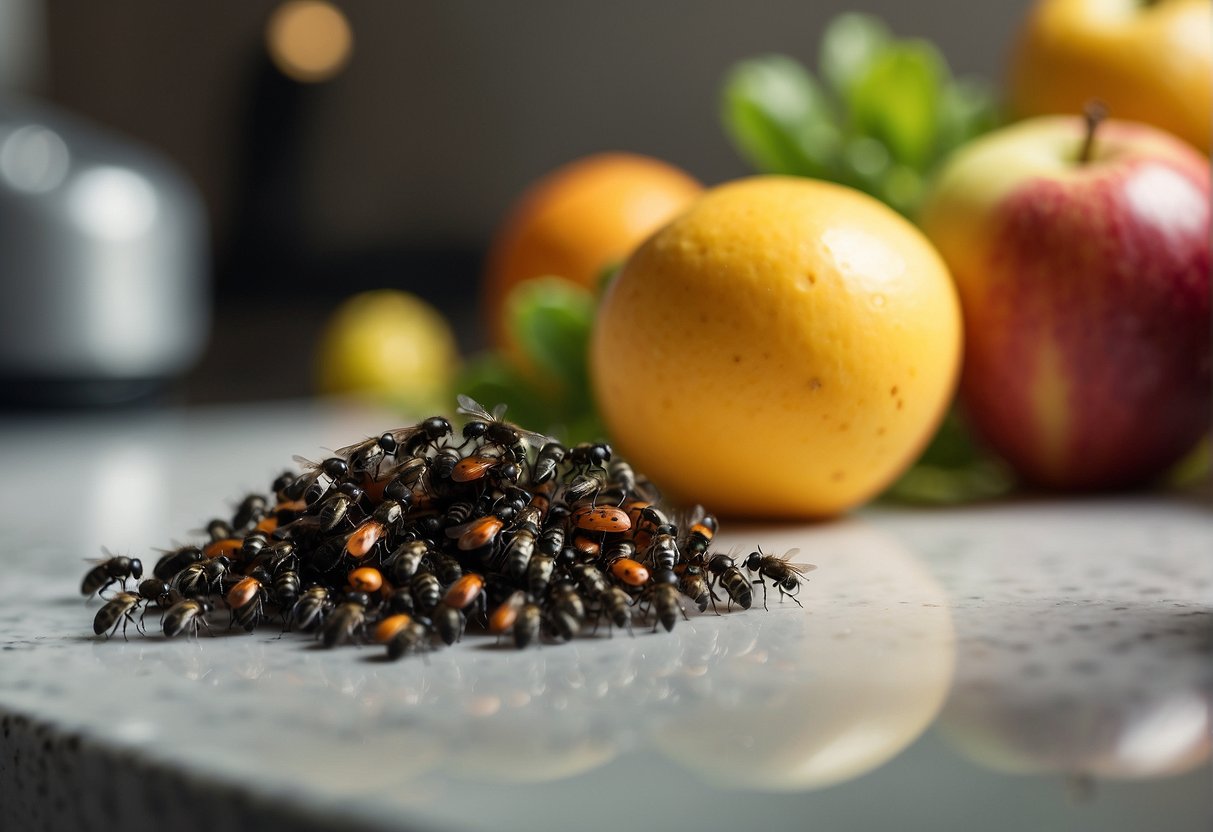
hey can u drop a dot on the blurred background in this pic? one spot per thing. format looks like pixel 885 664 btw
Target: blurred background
pixel 293 154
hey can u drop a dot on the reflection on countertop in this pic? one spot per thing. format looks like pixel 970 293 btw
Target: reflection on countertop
pixel 787 699
pixel 1058 638
pixel 1106 672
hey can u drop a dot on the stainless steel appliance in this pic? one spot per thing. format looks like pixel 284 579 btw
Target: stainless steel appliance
pixel 103 262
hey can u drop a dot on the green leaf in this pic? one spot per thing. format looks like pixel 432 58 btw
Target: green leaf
pixel 897 100
pixel 865 163
pixel 903 189
pixel 967 108
pixel 953 445
pixel 585 427
pixel 953 469
pixel 849 45
pixel 551 319
pixel 1194 468
pixel 778 117
pixel 933 485
pixel 491 380
pixel 606 276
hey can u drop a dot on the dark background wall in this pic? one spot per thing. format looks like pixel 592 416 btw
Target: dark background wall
pixel 396 171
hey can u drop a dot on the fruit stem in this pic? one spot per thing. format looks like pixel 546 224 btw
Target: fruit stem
pixel 1095 111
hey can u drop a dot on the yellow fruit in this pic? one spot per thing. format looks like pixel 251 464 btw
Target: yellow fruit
pixel 785 348
pixel 1148 61
pixel 579 220
pixel 389 345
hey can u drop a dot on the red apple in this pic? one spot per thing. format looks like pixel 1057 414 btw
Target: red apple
pixel 1084 273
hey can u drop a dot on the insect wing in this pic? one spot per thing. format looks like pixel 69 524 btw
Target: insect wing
pixel 798 568
pixel 535 440
pixel 403 435
pixel 108 556
pixel 470 407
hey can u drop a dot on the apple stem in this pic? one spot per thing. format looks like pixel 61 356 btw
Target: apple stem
pixel 1094 112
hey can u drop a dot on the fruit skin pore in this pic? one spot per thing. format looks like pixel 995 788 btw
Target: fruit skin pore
pixel 1150 62
pixel 1086 291
pixel 784 348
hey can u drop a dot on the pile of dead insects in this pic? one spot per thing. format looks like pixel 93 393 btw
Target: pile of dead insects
pixel 409 538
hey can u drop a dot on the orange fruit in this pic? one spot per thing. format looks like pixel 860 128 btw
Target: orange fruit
pixel 784 348
pixel 579 220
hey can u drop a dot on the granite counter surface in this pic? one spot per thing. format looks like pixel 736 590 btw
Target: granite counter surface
pixel 1041 664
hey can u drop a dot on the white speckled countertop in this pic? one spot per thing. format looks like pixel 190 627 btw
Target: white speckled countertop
pixel 1038 664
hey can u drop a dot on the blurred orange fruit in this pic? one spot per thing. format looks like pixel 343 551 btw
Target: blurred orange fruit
pixel 579 220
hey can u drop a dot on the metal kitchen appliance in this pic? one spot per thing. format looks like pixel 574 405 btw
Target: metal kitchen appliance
pixel 103 262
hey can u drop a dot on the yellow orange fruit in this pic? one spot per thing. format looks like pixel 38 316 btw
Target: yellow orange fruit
pixel 390 346
pixel 579 220
pixel 1148 61
pixel 784 348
